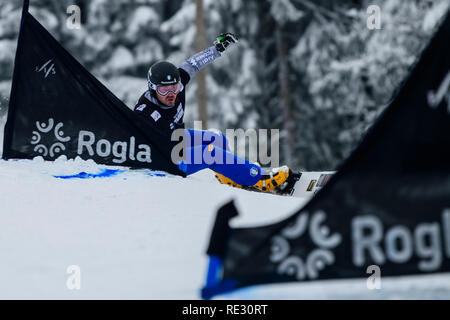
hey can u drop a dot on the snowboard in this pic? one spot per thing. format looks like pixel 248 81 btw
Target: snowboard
pixel 299 184
pixel 306 183
pixel 310 182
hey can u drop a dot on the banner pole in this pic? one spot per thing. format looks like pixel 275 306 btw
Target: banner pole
pixel 26 5
pixel 8 129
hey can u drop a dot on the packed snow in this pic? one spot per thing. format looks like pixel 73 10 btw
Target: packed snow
pixel 134 236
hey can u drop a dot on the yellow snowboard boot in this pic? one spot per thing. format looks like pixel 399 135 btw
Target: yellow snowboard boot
pixel 224 180
pixel 277 180
pixel 273 180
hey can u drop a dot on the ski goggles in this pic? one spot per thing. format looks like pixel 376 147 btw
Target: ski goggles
pixel 164 90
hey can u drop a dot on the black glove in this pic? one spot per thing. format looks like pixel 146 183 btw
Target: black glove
pixel 224 40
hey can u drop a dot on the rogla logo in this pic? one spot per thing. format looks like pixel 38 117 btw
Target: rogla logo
pixel 119 149
pixel 428 243
pixel 87 144
pixel 400 243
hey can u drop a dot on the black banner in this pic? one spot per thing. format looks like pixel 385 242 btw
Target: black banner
pixel 58 108
pixel 388 205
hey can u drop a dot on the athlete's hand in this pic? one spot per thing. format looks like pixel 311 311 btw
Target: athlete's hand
pixel 224 40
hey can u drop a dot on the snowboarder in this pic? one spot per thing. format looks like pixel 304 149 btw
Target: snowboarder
pixel 163 105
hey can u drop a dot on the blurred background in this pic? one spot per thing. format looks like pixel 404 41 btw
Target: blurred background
pixel 310 68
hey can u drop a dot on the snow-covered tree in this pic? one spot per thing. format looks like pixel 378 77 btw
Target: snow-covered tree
pixel 309 68
pixel 350 73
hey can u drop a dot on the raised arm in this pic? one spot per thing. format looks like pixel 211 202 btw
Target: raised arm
pixel 199 60
pixel 205 57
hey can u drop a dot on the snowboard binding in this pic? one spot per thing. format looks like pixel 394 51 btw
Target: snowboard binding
pixel 279 181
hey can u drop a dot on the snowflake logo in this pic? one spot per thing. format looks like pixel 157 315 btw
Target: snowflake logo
pixel 56 147
pixel 316 260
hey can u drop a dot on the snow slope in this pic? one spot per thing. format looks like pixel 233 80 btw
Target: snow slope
pixel 141 236
pixel 136 236
pixel 133 236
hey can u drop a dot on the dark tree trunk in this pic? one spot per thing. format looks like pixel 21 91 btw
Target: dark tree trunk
pixel 285 93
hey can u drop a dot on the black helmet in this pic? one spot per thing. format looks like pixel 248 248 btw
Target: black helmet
pixel 162 73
